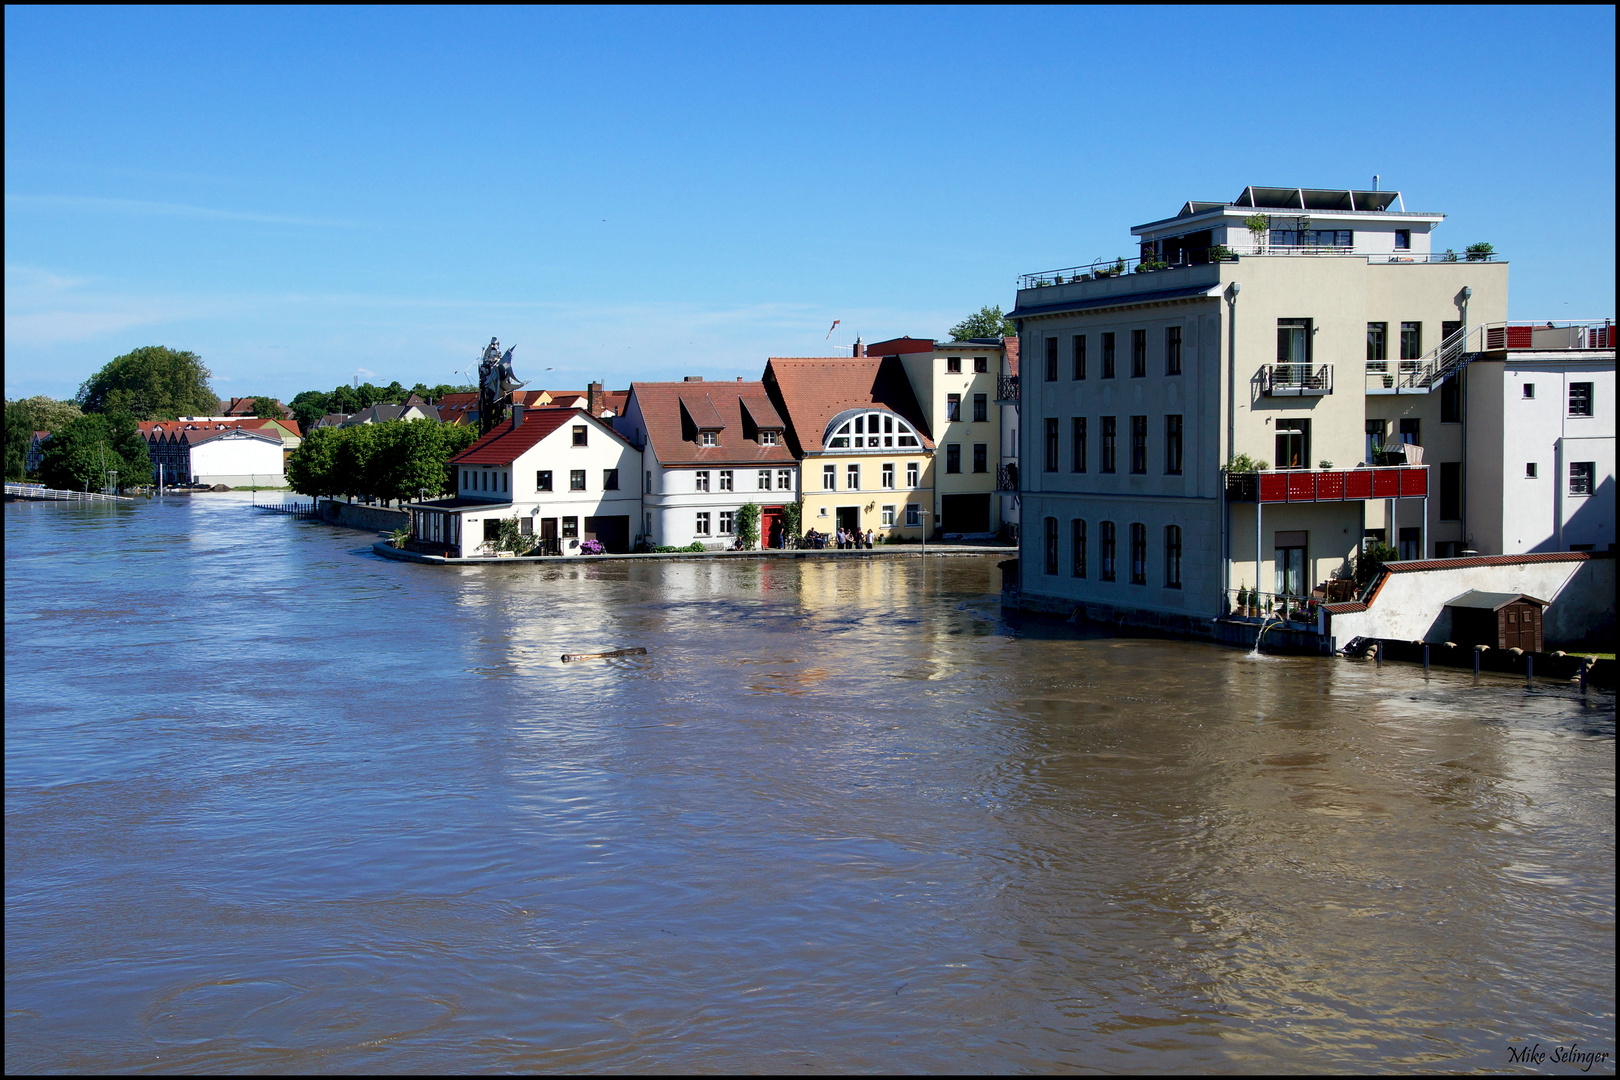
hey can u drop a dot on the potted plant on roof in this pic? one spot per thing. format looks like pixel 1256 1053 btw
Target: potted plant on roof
pixel 1258 225
pixel 1480 252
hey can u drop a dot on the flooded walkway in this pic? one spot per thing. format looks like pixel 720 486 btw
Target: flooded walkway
pixel 275 804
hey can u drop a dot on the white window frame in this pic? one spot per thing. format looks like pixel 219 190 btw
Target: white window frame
pixel 784 479
pixel 727 480
pixel 700 480
pixel 728 522
pixel 852 477
pixel 913 474
pixel 888 475
pixel 829 478
pixel 888 516
pixel 701 528
pixel 708 438
pixel 764 479
pixel 913 515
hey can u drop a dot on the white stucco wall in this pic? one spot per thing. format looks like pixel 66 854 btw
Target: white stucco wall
pixel 238 459
pixel 1411 606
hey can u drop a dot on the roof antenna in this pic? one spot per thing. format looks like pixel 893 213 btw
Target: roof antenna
pixel 1375 181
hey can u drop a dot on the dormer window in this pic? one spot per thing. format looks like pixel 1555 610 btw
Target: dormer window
pixel 708 438
pixel 869 431
pixel 767 438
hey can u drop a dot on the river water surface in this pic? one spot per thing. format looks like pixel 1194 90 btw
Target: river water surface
pixel 276 804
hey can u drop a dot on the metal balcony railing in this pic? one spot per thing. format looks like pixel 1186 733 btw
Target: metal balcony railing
pixel 1116 267
pixel 1007 477
pixel 1329 485
pixel 1549 336
pixel 1007 388
pixel 1297 380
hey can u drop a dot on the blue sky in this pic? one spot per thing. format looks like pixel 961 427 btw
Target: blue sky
pixel 305 195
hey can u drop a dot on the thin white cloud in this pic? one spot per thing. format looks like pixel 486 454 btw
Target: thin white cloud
pixel 140 206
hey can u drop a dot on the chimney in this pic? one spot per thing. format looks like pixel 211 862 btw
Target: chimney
pixel 694 378
pixel 517 417
pixel 593 398
pixel 860 350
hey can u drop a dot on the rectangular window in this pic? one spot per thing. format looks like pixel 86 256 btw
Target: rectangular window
pixel 1412 431
pixel 1375 439
pixel 1581 476
pixel 1403 239
pixel 887 518
pixel 1051 359
pixel 505 477
pixel 1377 346
pixel 888 474
pixel 647 486
pixel 1529 391
pixel 1138 554
pixel 764 479
pixel 829 478
pixel 953 406
pixel 576 480
pixel 911 474
pixel 610 479
pixel 981 457
pixel 1108 560
pixel 1530 470
pixel 1580 399
pixel 1110 444
pixel 852 478
pixel 702 526
pixel 953 365
pixel 726 480
pixel 1293 444
pixel 981 364
pixel 784 479
pixel 1411 341
pixel 1079 357
pixel 1108 356
pixel 570 527
pixel 913 515
pixel 1289 575
pixel 1172 445
pixel 1077 444
pixel 1293 341
pixel 768 438
pixel 708 438
pixel 1451 401
pixel 1138 444
pixel 1138 354
pixel 700 480
pixel 1077 548
pixel 728 519
pixel 953 457
pixel 1051 547
pixel 1172 350
pixel 1172 556
pixel 1450 490
pixel 1051 444
pixel 1411 544
pixel 579 434
pixel 981 408
pixel 542 480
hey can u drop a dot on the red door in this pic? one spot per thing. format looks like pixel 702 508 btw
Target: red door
pixel 770 526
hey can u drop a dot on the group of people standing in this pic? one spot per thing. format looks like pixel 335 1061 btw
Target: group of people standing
pixel 842 539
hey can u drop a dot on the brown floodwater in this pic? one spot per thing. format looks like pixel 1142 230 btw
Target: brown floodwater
pixel 276 804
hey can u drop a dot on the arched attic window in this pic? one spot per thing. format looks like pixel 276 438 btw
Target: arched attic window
pixel 870 429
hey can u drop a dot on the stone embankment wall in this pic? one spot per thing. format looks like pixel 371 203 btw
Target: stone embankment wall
pixel 1410 603
pixel 358 516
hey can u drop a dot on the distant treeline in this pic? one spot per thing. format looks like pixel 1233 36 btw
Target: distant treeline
pixel 394 460
pixel 310 405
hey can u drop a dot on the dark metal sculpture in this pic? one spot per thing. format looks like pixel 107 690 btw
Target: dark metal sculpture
pixel 496 385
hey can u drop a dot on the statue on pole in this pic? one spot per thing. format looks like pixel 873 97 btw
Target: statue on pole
pixel 496 384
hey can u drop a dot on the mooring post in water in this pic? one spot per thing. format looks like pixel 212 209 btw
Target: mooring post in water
pixel 1425 658
pixel 1378 654
pixel 1585 663
pixel 1529 668
pixel 1477 650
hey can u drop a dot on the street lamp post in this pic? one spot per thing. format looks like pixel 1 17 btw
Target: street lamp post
pixel 924 515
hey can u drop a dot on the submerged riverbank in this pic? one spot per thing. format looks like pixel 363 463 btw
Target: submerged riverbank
pixel 276 804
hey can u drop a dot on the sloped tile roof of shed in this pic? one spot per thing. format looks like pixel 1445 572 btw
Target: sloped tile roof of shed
pixel 661 412
pixel 816 389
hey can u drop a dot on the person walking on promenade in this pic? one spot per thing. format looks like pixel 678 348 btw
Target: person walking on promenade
pixel 868 539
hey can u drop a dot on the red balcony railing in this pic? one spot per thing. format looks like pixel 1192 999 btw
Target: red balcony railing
pixel 1329 485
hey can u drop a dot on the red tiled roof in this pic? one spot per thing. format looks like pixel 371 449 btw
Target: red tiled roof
pixel 667 410
pixel 813 390
pixel 504 445
pixel 899 345
pixel 1010 344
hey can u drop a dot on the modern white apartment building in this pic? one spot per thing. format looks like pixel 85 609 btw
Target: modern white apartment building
pixel 1312 330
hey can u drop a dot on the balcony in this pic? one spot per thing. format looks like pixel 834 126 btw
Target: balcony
pixel 1296 380
pixel 1007 389
pixel 1117 267
pixel 1007 477
pixel 1329 485
pixel 1548 336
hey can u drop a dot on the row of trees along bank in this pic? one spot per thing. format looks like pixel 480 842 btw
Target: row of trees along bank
pixel 394 460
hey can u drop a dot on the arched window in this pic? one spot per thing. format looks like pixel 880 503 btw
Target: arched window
pixel 862 429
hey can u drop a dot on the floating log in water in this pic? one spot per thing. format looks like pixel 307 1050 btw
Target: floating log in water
pixel 567 657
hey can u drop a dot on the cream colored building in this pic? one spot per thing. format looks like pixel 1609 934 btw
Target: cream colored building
pixel 1314 343
pixel 956 385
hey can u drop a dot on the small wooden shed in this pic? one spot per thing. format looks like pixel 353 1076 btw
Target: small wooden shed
pixel 1498 619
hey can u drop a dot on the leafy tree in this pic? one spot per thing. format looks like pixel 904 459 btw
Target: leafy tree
pixel 308 407
pixel 1372 560
pixel 792 519
pixel 395 394
pixel 352 474
pixel 27 416
pixel 154 383
pixel 344 399
pixel 80 455
pixel 312 468
pixel 747 524
pixel 266 409
pixel 987 322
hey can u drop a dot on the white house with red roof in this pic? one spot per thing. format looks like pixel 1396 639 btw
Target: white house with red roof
pixel 707 449
pixel 566 476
